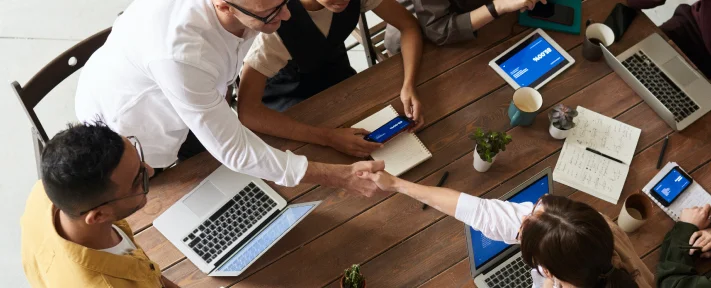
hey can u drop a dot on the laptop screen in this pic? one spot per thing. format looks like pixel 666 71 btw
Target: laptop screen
pixel 485 249
pixel 266 238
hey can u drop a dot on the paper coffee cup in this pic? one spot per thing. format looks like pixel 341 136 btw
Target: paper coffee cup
pixel 635 212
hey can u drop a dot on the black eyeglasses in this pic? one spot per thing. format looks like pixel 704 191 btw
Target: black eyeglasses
pixel 265 20
pixel 141 176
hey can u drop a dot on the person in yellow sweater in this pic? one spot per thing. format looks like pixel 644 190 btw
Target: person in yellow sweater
pixel 73 228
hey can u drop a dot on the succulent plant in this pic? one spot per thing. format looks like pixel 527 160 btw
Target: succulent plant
pixel 488 144
pixel 352 277
pixel 561 117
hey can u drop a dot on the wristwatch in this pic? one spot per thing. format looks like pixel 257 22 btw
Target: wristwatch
pixel 492 10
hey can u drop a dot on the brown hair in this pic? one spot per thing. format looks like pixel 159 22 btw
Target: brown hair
pixel 574 243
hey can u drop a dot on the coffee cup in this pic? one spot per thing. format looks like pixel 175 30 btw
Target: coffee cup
pixel 635 212
pixel 596 34
pixel 524 106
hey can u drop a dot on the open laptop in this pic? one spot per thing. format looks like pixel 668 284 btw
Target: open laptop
pixel 653 69
pixel 497 264
pixel 228 221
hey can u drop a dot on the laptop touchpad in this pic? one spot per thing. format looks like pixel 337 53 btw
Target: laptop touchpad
pixel 205 199
pixel 679 71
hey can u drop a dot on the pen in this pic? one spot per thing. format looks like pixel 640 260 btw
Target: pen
pixel 441 182
pixel 691 247
pixel 603 155
pixel 661 155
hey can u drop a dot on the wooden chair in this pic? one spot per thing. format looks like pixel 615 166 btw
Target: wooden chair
pixel 49 77
pixel 373 39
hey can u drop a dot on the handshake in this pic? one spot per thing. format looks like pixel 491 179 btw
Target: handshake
pixel 365 177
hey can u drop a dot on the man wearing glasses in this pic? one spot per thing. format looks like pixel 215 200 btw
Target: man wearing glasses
pixel 73 229
pixel 163 75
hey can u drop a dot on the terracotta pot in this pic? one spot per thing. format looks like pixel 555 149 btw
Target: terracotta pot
pixel 343 278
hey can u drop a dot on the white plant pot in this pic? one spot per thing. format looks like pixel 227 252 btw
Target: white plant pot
pixel 481 165
pixel 558 133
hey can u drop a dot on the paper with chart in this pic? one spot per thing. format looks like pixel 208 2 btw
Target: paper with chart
pixel 590 172
pixel 604 134
pixel 401 153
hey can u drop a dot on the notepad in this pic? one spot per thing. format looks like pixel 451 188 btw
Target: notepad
pixel 401 153
pixel 592 173
pixel 695 195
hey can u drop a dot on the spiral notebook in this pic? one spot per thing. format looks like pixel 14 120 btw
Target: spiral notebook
pixel 695 195
pixel 401 153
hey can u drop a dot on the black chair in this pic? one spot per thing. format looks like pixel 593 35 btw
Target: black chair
pixel 49 77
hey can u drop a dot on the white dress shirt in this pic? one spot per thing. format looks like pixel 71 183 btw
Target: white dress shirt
pixel 164 71
pixel 497 220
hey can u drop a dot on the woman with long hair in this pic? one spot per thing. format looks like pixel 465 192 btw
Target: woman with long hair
pixel 567 243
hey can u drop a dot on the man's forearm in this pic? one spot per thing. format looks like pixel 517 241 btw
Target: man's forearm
pixel 442 199
pixel 261 119
pixel 331 175
pixel 411 43
pixel 480 17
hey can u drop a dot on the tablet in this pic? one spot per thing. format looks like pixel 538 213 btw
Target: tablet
pixel 532 62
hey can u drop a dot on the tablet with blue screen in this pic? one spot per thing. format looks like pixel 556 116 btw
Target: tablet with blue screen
pixel 532 62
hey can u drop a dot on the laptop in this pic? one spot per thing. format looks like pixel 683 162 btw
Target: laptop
pixel 657 73
pixel 228 221
pixel 497 264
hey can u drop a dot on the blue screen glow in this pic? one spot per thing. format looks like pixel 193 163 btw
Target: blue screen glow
pixel 532 62
pixel 387 131
pixel 671 185
pixel 484 248
pixel 249 252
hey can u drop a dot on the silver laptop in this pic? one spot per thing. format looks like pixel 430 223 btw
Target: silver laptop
pixel 228 221
pixel 497 264
pixel 653 69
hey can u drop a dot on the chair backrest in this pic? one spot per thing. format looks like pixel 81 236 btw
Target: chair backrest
pixel 373 39
pixel 54 73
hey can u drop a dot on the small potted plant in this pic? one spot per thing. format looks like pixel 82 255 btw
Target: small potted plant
pixel 487 147
pixel 352 278
pixel 561 118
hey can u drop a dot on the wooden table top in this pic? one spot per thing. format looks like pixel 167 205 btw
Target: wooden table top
pixel 397 243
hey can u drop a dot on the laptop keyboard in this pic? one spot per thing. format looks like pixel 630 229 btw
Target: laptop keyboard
pixel 514 275
pixel 229 223
pixel 660 85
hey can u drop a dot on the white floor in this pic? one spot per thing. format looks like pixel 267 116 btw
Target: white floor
pixel 31 34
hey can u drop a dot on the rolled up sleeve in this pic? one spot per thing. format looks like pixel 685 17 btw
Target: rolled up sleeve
pixel 441 24
pixel 192 93
pixel 497 220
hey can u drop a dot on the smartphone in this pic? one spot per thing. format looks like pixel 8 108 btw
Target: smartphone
pixel 671 186
pixel 620 19
pixel 389 130
pixel 552 12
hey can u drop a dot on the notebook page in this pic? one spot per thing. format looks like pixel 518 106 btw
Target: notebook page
pixel 590 173
pixel 695 195
pixel 401 153
pixel 604 134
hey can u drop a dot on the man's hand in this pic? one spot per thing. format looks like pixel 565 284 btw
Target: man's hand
pixel 350 141
pixel 506 6
pixel 698 216
pixel 701 238
pixel 383 179
pixel 364 186
pixel 412 106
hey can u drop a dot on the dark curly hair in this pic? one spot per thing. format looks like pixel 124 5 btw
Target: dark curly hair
pixel 77 164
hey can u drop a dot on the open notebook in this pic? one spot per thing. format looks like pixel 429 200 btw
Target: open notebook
pixel 401 153
pixel 592 173
pixel 695 195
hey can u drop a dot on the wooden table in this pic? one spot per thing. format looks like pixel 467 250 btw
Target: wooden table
pixel 397 243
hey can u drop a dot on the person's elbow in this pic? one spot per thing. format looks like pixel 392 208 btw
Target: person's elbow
pixel 436 36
